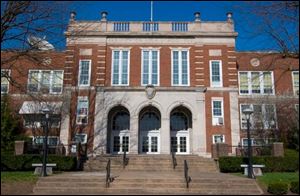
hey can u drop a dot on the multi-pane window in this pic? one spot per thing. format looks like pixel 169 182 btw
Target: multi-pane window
pixel 5 73
pixel 51 140
pixel 216 73
pixel 36 120
pixel 150 67
pixel 217 112
pixel 296 82
pixel 256 82
pixel 180 68
pixel 80 137
pixel 120 67
pixel 263 117
pixel 218 139
pixel 82 110
pixel 84 72
pixel 45 81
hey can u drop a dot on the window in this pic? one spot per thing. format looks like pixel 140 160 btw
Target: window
pixel 120 67
pixel 217 111
pixel 180 68
pixel 263 117
pixel 216 73
pixel 39 140
pixel 82 110
pixel 150 67
pixel 36 120
pixel 84 72
pixel 5 73
pixel 218 139
pixel 296 82
pixel 80 137
pixel 45 81
pixel 256 82
pixel 257 141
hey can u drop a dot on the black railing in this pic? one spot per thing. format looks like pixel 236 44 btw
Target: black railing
pixel 108 178
pixel 174 160
pixel 125 159
pixel 188 179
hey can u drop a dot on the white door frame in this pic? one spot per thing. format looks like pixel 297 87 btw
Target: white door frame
pixel 150 134
pixel 178 134
pixel 120 134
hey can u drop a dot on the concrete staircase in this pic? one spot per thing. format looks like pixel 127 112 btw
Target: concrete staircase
pixel 148 174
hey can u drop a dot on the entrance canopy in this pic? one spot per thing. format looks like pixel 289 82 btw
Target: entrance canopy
pixel 35 107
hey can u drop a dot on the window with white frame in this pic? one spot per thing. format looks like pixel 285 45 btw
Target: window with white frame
pixel 150 67
pixel 256 82
pixel 45 81
pixel 263 117
pixel 216 73
pixel 296 82
pixel 120 67
pixel 257 141
pixel 82 110
pixel 39 140
pixel 35 120
pixel 180 67
pixel 218 138
pixel 217 111
pixel 80 137
pixel 84 72
pixel 5 73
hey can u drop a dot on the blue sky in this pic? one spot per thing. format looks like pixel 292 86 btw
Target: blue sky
pixel 173 11
pixel 168 11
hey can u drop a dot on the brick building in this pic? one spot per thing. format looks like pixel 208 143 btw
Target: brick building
pixel 154 87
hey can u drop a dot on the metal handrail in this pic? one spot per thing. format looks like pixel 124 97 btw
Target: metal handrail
pixel 125 160
pixel 188 179
pixel 108 178
pixel 174 160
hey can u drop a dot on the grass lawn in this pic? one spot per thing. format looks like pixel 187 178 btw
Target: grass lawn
pixel 18 176
pixel 18 183
pixel 268 178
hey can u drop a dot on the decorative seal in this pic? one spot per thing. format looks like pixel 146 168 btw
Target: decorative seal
pixel 150 91
pixel 254 62
pixel 46 61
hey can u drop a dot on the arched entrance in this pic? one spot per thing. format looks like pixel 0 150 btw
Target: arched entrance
pixel 149 130
pixel 180 126
pixel 118 130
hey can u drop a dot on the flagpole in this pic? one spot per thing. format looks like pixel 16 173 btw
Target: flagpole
pixel 151 18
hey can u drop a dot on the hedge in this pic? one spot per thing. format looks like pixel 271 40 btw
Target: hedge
pixel 278 188
pixel 272 164
pixel 24 162
pixel 294 187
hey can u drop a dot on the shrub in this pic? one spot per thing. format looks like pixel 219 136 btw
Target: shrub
pixel 278 188
pixel 294 187
pixel 230 164
pixel 24 162
pixel 272 164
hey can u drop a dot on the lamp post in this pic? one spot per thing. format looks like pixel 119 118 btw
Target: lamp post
pixel 46 111
pixel 248 113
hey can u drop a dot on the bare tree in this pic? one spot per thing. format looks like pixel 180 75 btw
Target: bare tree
pixel 275 22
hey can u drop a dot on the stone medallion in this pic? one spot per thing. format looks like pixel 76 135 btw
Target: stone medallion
pixel 150 91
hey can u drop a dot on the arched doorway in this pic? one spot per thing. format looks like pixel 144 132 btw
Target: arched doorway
pixel 149 130
pixel 180 127
pixel 118 133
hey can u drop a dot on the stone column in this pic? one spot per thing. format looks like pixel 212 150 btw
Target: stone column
pixel 100 125
pixel 199 127
pixel 234 118
pixel 165 136
pixel 65 120
pixel 134 135
pixel 277 149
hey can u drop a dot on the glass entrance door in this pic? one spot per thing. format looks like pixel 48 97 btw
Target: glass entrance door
pixel 179 142
pixel 150 143
pixel 149 131
pixel 120 142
